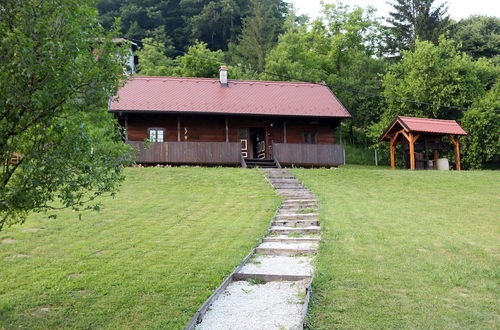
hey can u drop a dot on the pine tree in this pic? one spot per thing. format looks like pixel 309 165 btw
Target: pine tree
pixel 260 33
pixel 412 20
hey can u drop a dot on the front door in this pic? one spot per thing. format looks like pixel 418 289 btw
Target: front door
pixel 258 139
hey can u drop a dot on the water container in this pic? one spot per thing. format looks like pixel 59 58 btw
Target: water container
pixel 430 164
pixel 443 164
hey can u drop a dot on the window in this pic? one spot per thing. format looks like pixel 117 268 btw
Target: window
pixel 310 137
pixel 156 134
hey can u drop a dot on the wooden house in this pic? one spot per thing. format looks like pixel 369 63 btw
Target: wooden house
pixel 220 122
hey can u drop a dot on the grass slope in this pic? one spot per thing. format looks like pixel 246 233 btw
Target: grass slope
pixel 405 249
pixel 148 260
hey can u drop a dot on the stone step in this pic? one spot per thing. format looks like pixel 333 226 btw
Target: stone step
pixel 299 200
pixel 297 208
pixel 297 216
pixel 294 230
pixel 285 239
pixel 288 180
pixel 296 223
pixel 288 186
pixel 278 265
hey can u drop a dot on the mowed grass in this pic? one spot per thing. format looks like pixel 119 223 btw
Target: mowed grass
pixel 405 249
pixel 149 259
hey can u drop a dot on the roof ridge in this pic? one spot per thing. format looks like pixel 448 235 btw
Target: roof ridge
pixel 428 119
pixel 229 80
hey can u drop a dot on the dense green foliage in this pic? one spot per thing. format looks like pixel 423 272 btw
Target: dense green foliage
pixel 59 67
pixel 479 36
pixel 181 22
pixel 148 260
pixel 414 20
pixel 405 250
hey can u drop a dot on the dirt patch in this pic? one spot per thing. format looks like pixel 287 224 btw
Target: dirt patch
pixel 19 255
pixel 75 275
pixel 30 230
pixel 8 241
pixel 40 311
pixel 83 293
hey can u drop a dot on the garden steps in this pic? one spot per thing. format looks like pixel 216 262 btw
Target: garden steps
pixel 271 287
pixel 296 223
pixel 298 239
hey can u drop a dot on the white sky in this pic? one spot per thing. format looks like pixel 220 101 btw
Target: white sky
pixel 456 8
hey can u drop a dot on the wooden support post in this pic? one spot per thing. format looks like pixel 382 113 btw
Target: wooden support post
pixel 436 156
pixel 412 151
pixel 284 131
pixel 178 129
pixel 126 127
pixel 457 151
pixel 392 145
pixel 227 129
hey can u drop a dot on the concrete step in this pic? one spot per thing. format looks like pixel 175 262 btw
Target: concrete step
pixel 295 208
pixel 286 180
pixel 288 186
pixel 296 223
pixel 278 265
pixel 287 249
pixel 285 239
pixel 294 230
pixel 297 216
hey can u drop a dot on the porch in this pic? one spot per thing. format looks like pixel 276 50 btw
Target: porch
pixel 230 153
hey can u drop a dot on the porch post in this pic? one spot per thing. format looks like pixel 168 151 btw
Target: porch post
pixel 412 151
pixel 436 156
pixel 284 131
pixel 178 129
pixel 126 127
pixel 226 121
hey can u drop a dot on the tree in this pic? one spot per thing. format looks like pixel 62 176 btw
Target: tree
pixel 153 61
pixel 482 144
pixel 338 49
pixel 218 22
pixel 479 36
pixel 199 61
pixel 260 33
pixel 414 20
pixel 59 68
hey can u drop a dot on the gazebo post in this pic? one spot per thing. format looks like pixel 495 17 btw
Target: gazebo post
pixel 457 151
pixel 436 156
pixel 392 145
pixel 411 140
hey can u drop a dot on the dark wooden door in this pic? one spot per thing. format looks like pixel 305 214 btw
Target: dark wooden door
pixel 258 142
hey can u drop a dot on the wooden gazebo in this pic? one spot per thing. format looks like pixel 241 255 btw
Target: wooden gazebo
pixel 420 135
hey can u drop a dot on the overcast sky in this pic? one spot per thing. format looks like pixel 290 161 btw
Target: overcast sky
pixel 456 8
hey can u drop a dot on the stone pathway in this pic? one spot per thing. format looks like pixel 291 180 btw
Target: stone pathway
pixel 270 290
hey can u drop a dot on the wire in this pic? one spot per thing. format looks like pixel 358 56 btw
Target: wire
pixel 282 76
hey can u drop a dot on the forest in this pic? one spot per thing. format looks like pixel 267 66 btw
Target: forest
pixel 415 62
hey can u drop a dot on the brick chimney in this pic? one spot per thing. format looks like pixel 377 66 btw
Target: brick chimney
pixel 223 76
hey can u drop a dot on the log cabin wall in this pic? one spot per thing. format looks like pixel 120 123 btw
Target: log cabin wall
pixel 199 128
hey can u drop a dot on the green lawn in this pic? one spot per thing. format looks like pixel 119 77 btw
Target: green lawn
pixel 148 260
pixel 405 249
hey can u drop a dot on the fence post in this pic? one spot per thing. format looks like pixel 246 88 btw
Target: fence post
pixel 376 157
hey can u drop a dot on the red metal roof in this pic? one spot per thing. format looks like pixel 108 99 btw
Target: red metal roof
pixel 425 125
pixel 167 94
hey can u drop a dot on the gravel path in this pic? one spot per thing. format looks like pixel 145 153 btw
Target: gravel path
pixel 279 265
pixel 274 305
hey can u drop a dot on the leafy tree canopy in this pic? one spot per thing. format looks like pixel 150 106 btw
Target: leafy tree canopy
pixel 414 20
pixel 479 36
pixel 58 71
